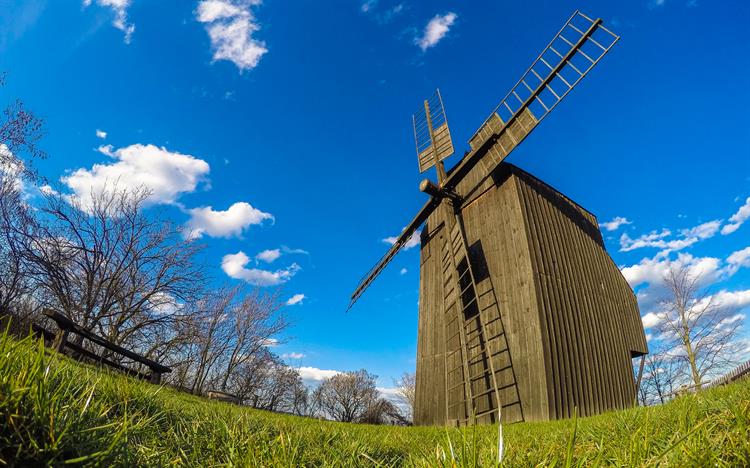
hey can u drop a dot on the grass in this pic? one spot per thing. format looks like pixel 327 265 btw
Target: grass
pixel 55 411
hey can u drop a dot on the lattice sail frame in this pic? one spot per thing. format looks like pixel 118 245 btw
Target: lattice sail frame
pixel 572 53
pixel 431 132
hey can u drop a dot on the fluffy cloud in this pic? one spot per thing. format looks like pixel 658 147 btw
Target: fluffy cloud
pixel 293 355
pixel 315 374
pixel 101 134
pixel 702 231
pixel 737 260
pixel 615 223
pixel 403 271
pixel 296 299
pixel 11 169
pixel 733 300
pixel 230 223
pixel 120 9
pixel 235 266
pixel 737 219
pixel 651 319
pixel 269 255
pixel 685 238
pixel 652 271
pixel 230 25
pixel 413 241
pixel 435 30
pixel 164 173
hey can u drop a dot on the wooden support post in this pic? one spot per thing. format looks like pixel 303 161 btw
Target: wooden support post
pixel 640 376
pixel 155 378
pixel 61 338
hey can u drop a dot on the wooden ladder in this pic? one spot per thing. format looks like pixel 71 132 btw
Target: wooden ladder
pixel 468 359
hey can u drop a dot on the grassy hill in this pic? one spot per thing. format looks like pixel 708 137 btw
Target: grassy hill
pixel 55 411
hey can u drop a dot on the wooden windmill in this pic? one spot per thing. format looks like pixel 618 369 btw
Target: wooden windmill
pixel 522 315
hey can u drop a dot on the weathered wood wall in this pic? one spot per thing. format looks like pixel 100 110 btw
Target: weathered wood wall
pixel 563 324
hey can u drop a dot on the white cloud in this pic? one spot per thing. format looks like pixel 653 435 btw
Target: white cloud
pixel 11 169
pixel 730 299
pixel 737 219
pixel 230 25
pixel 234 265
pixel 403 271
pixel 164 304
pixel 313 373
pixel 615 223
pixel 230 223
pixel 120 9
pixel 737 260
pixel 702 231
pixel 101 134
pixel 269 342
pixel 368 5
pixel 269 255
pixel 293 355
pixel 288 250
pixel 296 299
pixel 435 30
pixel 651 319
pixel 164 173
pixel 686 238
pixel 413 241
pixel 652 239
pixel 653 270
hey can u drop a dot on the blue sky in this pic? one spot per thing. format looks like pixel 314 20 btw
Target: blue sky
pixel 286 126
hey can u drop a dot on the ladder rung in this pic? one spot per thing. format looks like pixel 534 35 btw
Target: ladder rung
pixel 483 374
pixel 470 285
pixel 460 402
pixel 480 395
pixel 488 356
pixel 456 386
pixel 485 413
pixel 466 306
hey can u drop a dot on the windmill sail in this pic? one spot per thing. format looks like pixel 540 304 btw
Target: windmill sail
pixel 431 132
pixel 400 242
pixel 572 53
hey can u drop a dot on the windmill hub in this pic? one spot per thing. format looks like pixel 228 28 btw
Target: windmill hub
pixel 522 313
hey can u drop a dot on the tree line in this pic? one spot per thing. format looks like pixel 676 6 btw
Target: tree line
pixel 125 271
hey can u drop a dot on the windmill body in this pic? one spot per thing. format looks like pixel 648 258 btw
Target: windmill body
pixel 523 315
pixel 556 324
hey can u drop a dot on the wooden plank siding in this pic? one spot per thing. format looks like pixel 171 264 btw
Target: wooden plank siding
pixel 561 322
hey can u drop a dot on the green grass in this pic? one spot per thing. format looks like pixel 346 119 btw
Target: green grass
pixel 55 411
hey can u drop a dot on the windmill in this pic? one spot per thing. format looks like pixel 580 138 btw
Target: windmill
pixel 523 315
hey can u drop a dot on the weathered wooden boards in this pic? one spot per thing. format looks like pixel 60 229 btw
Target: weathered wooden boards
pixel 561 324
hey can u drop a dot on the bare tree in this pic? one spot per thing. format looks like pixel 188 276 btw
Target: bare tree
pixel 210 335
pixel 347 396
pixel 248 377
pixel 255 319
pixel 229 331
pixel 110 267
pixel 697 333
pixel 659 377
pixel 20 132
pixel 406 390
pixel 15 219
pixel 279 390
pixel 382 411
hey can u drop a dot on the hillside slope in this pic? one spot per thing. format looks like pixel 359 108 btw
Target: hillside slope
pixel 54 411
